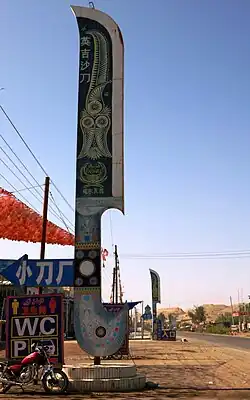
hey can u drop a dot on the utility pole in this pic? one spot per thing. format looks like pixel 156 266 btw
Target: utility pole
pixel 45 217
pixel 142 320
pixel 44 231
pixel 239 310
pixel 116 277
pixel 45 220
pixel 232 310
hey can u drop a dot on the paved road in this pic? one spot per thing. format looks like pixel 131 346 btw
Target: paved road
pixel 220 340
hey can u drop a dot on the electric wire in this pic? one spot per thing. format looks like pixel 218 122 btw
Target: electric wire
pixel 61 215
pixel 21 190
pixel 54 213
pixel 40 200
pixel 20 171
pixel 27 201
pixel 111 229
pixel 20 180
pixel 189 256
pixel 33 155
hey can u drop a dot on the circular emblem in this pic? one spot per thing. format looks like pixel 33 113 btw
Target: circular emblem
pixel 87 268
pixel 92 254
pixel 78 281
pixel 94 107
pixel 93 281
pixel 100 332
pixel 93 174
pixel 79 254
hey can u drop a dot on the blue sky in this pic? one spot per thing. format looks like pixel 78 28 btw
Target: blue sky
pixel 187 164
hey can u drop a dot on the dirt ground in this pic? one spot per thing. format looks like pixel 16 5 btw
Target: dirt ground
pixel 193 370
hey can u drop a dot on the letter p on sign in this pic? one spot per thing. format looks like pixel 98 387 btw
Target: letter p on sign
pixel 19 345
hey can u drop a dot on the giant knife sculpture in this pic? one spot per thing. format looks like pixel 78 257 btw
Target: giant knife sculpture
pixel 99 175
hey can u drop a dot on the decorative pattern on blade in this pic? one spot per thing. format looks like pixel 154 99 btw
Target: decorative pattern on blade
pixel 99 175
pixel 101 332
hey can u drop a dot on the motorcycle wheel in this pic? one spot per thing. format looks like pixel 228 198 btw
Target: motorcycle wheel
pixel 61 381
pixel 3 386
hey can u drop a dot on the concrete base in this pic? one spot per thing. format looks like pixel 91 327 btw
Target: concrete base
pixel 113 377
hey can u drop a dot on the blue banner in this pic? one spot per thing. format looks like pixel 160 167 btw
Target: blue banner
pixel 34 273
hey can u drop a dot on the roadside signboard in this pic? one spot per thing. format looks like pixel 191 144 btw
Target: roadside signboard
pixel 168 335
pixel 33 318
pixel 34 273
pixel 147 314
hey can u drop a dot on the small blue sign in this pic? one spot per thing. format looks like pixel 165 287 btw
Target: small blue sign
pixel 147 317
pixel 34 273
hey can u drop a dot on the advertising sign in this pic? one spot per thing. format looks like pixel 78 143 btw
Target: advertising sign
pixel 124 349
pixel 34 273
pixel 33 318
pixel 147 313
pixel 168 335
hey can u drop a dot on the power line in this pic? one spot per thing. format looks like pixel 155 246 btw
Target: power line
pixel 27 201
pixel 24 166
pixel 20 171
pixel 189 256
pixel 62 216
pixel 58 216
pixel 20 180
pixel 21 190
pixel 24 198
pixel 111 228
pixel 35 158
pixel 25 186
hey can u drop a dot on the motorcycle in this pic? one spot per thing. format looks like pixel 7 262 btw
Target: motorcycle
pixel 33 368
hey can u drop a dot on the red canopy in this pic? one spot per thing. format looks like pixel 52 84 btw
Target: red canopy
pixel 19 222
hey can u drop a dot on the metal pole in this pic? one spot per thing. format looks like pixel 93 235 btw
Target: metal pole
pixel 135 325
pixel 45 216
pixel 45 219
pixel 239 310
pixel 116 275
pixel 35 290
pixel 232 310
pixel 142 320
pixel 113 287
pixel 67 317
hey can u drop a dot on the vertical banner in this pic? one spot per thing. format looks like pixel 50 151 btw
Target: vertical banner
pixel 33 318
pixel 99 175
pixel 156 298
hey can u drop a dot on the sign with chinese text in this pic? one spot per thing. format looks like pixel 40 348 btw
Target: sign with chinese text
pixel 33 318
pixel 168 335
pixel 34 273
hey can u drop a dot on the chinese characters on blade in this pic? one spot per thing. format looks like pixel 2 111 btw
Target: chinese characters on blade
pixel 85 65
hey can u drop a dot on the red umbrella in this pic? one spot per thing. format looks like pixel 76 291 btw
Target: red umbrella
pixel 20 223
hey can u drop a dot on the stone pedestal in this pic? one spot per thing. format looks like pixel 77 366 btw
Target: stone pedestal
pixel 107 377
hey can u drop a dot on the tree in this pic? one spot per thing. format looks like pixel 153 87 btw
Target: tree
pixel 225 319
pixel 197 315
